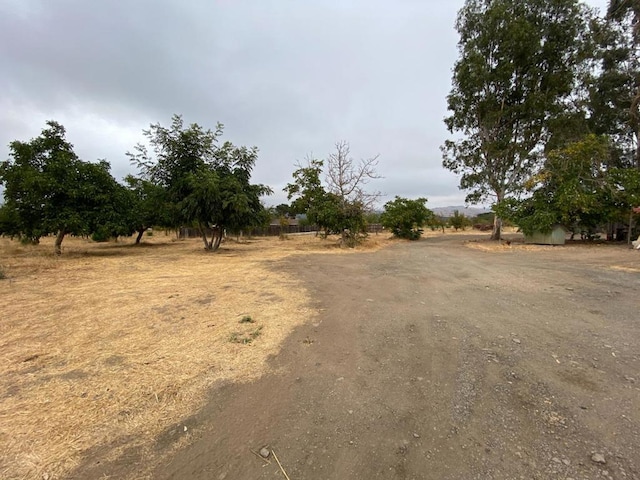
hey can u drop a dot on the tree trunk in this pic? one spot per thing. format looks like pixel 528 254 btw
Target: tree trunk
pixel 139 237
pixel 59 238
pixel 497 228
pixel 216 239
pixel 630 227
pixel 203 233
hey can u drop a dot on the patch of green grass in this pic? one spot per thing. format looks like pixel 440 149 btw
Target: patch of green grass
pixel 245 339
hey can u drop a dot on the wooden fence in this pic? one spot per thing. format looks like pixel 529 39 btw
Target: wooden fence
pixel 272 230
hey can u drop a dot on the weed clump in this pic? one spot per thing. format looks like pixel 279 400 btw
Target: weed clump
pixel 245 339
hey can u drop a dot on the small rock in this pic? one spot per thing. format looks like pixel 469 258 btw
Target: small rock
pixel 415 435
pixel 516 340
pixel 350 412
pixel 598 458
pixel 555 459
pixel 264 452
pixel 185 428
pixel 566 462
pixel 45 476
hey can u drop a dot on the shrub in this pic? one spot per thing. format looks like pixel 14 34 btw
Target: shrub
pixel 405 217
pixel 100 236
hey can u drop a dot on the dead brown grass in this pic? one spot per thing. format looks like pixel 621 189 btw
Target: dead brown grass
pixel 116 341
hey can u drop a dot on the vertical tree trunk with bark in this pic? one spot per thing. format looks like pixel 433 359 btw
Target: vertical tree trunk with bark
pixel 216 238
pixel 497 221
pixel 139 237
pixel 57 246
pixel 497 228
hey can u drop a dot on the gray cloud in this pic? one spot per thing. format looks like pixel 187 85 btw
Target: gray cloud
pixel 290 77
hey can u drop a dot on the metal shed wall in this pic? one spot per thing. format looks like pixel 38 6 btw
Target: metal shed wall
pixel 557 236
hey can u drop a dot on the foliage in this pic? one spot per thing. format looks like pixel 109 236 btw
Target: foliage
pixel 459 221
pixel 48 189
pixel 518 63
pixel 149 206
pixel 206 184
pixel 615 99
pixel 372 217
pixel 281 210
pixel 572 189
pixel 611 108
pixel 405 218
pixel 341 206
pixel 9 221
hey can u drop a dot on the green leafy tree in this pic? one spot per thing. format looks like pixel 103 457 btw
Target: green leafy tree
pixel 612 87
pixel 572 189
pixel 459 221
pixel 625 187
pixel 517 68
pixel 340 206
pixel 9 221
pixel 48 189
pixel 615 98
pixel 149 206
pixel 405 218
pixel 309 195
pixel 208 185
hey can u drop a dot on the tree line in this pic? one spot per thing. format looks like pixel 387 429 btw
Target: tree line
pixel 545 108
pixel 186 177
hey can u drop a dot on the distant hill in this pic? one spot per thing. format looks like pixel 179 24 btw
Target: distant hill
pixel 467 211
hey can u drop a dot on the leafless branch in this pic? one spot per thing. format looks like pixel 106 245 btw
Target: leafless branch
pixel 347 178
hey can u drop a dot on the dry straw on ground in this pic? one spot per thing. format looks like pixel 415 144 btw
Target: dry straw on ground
pixel 115 341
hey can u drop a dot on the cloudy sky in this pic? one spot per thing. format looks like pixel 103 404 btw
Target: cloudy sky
pixel 290 77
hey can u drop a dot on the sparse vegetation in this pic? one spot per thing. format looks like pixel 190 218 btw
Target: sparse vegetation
pixel 247 319
pixel 245 338
pixel 167 282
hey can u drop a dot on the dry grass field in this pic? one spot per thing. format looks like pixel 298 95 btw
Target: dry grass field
pixel 110 344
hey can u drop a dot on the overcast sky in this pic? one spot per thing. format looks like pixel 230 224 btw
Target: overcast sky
pixel 290 77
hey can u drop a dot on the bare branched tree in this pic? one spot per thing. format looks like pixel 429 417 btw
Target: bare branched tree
pixel 347 178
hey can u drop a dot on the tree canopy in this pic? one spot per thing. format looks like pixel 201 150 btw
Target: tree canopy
pixel 517 68
pixel 405 218
pixel 208 185
pixel 49 190
pixel 340 203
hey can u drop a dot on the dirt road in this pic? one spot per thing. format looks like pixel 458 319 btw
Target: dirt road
pixel 433 360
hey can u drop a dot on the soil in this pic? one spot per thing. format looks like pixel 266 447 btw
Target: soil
pixel 433 360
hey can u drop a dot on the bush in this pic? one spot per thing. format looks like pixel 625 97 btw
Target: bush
pixel 459 221
pixel 405 217
pixel 100 236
